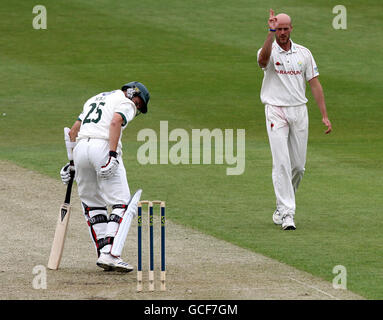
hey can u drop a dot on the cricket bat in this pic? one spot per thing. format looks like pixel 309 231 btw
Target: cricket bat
pixel 63 218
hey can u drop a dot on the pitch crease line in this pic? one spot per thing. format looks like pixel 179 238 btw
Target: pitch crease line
pixel 312 287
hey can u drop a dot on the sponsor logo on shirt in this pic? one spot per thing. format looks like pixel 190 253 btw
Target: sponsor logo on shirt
pixel 290 72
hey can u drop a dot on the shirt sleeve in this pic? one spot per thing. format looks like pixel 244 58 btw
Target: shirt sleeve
pixel 127 110
pixel 311 68
pixel 269 63
pixel 81 117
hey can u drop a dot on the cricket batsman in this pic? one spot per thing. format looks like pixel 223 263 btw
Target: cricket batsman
pixel 287 67
pixel 99 170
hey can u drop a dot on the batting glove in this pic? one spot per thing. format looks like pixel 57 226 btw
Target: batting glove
pixel 109 169
pixel 65 173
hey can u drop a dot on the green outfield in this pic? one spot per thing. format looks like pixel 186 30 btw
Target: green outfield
pixel 198 60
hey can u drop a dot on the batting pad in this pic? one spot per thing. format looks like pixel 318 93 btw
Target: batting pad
pixel 122 232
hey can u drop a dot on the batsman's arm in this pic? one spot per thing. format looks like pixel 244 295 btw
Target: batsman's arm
pixel 74 130
pixel 115 131
pixel 111 166
pixel 317 92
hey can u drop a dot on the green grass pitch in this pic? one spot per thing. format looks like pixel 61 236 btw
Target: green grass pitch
pixel 198 59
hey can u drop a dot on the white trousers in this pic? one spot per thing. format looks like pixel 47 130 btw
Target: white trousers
pixel 287 128
pixel 96 193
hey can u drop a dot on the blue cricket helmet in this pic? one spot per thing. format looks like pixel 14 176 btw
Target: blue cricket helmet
pixel 141 91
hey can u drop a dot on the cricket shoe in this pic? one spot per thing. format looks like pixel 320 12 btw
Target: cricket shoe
pixel 110 263
pixel 277 217
pixel 288 222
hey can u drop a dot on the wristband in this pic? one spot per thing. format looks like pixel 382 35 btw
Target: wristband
pixel 113 154
pixel 272 30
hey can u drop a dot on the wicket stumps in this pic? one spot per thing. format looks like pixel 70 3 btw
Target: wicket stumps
pixel 151 244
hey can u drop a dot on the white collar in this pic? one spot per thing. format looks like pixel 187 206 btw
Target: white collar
pixel 293 48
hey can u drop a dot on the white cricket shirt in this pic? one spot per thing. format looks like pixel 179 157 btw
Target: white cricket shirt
pixel 285 76
pixel 98 113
